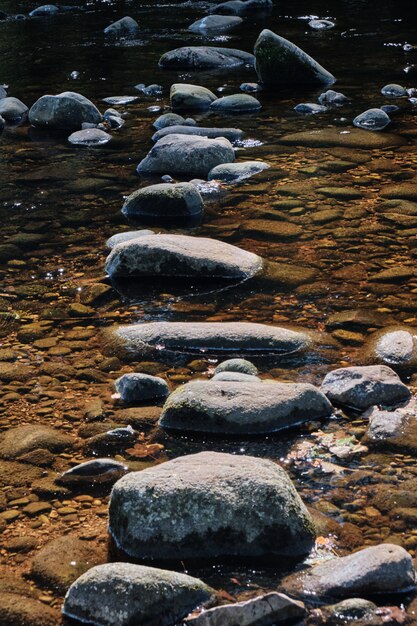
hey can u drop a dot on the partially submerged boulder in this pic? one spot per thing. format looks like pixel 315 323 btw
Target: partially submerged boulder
pixel 125 594
pixel 231 134
pixel 181 256
pixel 185 97
pixel 209 505
pixel 205 58
pixel 161 339
pixel 215 24
pixel 219 406
pixel 280 62
pixel 125 27
pixel 66 111
pixel 21 439
pixel 164 200
pixel 136 387
pixel 12 109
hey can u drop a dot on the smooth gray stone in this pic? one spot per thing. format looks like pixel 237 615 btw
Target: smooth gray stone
pixel 237 377
pixel 187 155
pixel 168 119
pixel 364 386
pixel 310 108
pixel 280 62
pixel 236 103
pixel 45 9
pixel 164 200
pixel 122 594
pixel 205 58
pixel 395 346
pixel 393 90
pixel 321 24
pixel 190 97
pixel 12 109
pixel 335 137
pixel 235 172
pixel 213 24
pixel 124 27
pixel 233 407
pixel 89 137
pixel 97 471
pixel 68 110
pixel 240 7
pixel 181 255
pixel 372 119
pixel 209 505
pixel 114 240
pixel 115 100
pixel 237 365
pixel 152 339
pixel 231 134
pixel 385 568
pixel 135 387
pixel 333 98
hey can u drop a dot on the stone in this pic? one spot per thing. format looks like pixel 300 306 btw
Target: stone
pixel 240 7
pixel 12 109
pixel 235 172
pixel 21 439
pixel 364 386
pixel 333 98
pixel 231 134
pixel 20 610
pixel 97 471
pixel 241 366
pixel 114 240
pixel 181 256
pixel 44 10
pixel 209 505
pixel 393 430
pixel 119 100
pixel 164 201
pixel 271 229
pixel 267 610
pixel 385 568
pixel 168 338
pixel 395 346
pixel 310 108
pixel 235 377
pixel 10 372
pixel 125 594
pixel 18 474
pixel 394 91
pixel 168 119
pixel 280 62
pixel 135 388
pixel 66 111
pixel 89 137
pixel 186 155
pixel 335 137
pixel 405 191
pixel 215 24
pixel 372 119
pixel 125 27
pixel 238 408
pixel 236 103
pixel 357 319
pixel 61 561
pixel 205 58
pixel 185 97
pixel 321 24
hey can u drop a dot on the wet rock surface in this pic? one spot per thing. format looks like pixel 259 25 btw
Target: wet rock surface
pixel 164 200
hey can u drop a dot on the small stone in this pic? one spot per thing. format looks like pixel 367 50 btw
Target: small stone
pixel 237 365
pixel 394 91
pixel 37 508
pixel 372 119
pixel 321 24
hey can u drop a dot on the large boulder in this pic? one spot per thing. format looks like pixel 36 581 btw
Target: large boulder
pixel 125 27
pixel 12 109
pixel 385 569
pixel 181 256
pixel 220 406
pixel 280 62
pixel 231 134
pixel 163 201
pixel 215 24
pixel 185 97
pixel 205 58
pixel 364 386
pixel 187 155
pixel 168 338
pixel 67 111
pixel 126 594
pixel 209 505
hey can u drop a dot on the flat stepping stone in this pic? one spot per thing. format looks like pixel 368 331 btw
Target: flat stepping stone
pixel 272 229
pixel 209 505
pixel 233 407
pixel 181 256
pixel 205 57
pixel 236 103
pixel 352 138
pixel 156 338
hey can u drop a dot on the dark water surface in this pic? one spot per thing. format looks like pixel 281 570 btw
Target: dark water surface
pixel 72 197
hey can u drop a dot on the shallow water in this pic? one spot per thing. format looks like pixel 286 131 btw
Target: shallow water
pixel 72 197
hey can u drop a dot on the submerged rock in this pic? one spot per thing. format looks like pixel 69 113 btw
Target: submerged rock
pixel 93 472
pixel 333 98
pixel 242 7
pixel 394 91
pixel 237 365
pixel 89 137
pixel 17 441
pixel 124 27
pixel 238 408
pixel 321 24
pixel 372 119
pixel 213 24
pixel 209 505
pixel 45 9
pixel 280 62
pixel 181 256
pixel 190 97
pixel 68 110
pixel 364 386
pixel 135 388
pixel 12 109
pixel 123 594
pixel 309 108
pixel 385 568
pixel 164 200
pixel 205 58
pixel 231 134
pixel 168 338
pixel 186 154
pixel 235 172
pixel 236 103
pixel 335 137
